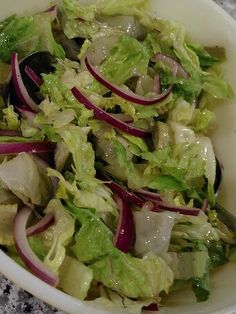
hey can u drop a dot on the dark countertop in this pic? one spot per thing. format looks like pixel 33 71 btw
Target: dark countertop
pixel 13 300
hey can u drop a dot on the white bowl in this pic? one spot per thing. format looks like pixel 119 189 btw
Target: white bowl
pixel 209 25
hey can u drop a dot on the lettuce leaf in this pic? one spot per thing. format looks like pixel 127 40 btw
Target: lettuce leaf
pixel 82 152
pixel 28 34
pixel 99 196
pixel 194 228
pixel 133 277
pixel 153 232
pixel 189 265
pixel 114 302
pixel 127 58
pixel 120 272
pixel 7 214
pixel 32 186
pixel 59 235
pixel 75 278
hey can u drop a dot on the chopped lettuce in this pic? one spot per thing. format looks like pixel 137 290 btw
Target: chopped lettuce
pixel 26 35
pixel 59 235
pixel 153 232
pixel 194 228
pixel 201 288
pixel 75 278
pixel 189 265
pixel 135 277
pixel 32 186
pixel 113 302
pixel 10 119
pixel 127 58
pixel 7 214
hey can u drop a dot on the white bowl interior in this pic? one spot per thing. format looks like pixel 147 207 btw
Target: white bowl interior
pixel 208 24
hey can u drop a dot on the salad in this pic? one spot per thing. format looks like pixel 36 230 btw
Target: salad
pixel 107 173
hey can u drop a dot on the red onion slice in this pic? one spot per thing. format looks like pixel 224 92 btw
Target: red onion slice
pixel 12 133
pixel 121 191
pixel 19 84
pixel 24 250
pixel 149 196
pixel 33 76
pixel 182 210
pixel 125 232
pixel 41 226
pixel 33 147
pixel 123 94
pixel 172 63
pixel 103 115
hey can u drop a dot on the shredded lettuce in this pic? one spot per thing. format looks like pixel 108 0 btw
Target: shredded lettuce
pixel 59 235
pixel 75 278
pixel 136 277
pixel 7 214
pixel 32 186
pixel 26 35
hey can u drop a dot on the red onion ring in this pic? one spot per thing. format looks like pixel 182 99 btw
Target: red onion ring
pixel 125 232
pixel 149 196
pixel 19 85
pixel 126 195
pixel 41 226
pixel 171 63
pixel 33 76
pixel 103 115
pixel 24 250
pixel 182 210
pixel 33 147
pixel 123 94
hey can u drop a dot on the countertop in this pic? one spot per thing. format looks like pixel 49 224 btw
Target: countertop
pixel 14 300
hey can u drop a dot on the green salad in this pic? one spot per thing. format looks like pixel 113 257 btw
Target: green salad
pixel 107 172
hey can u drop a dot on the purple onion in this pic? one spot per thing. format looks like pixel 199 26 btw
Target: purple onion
pixel 126 195
pixel 33 76
pixel 125 232
pixel 106 117
pixel 32 147
pixel 123 94
pixel 41 226
pixel 24 250
pixel 172 63
pixel 21 91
